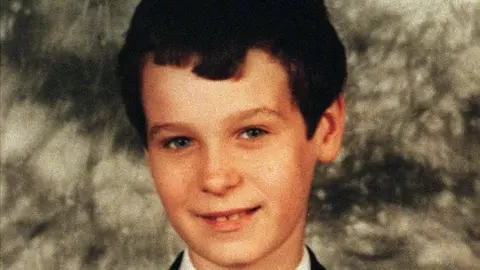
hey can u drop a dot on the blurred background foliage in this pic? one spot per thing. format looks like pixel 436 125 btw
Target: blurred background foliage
pixel 75 192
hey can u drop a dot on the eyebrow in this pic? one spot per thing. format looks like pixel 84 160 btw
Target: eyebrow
pixel 243 115
pixel 238 117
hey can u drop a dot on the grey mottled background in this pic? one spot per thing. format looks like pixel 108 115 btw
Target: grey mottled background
pixel 405 194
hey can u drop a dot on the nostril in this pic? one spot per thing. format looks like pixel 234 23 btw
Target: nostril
pixel 220 183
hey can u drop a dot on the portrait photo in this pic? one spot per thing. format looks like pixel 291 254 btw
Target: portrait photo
pixel 256 134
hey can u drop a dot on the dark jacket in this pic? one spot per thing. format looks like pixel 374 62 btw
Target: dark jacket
pixel 313 261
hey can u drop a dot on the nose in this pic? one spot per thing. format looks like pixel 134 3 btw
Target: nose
pixel 220 175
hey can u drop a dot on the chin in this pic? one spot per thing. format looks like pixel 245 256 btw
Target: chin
pixel 237 259
pixel 233 255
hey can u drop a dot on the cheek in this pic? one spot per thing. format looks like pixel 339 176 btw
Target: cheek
pixel 288 174
pixel 172 182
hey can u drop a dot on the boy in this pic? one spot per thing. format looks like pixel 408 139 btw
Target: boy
pixel 235 102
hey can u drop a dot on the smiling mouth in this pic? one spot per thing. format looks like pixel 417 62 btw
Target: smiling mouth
pixel 231 220
pixel 230 215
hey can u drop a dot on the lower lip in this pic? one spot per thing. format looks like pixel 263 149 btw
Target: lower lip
pixel 231 225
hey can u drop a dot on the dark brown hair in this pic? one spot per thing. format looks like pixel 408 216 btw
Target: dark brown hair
pixel 218 33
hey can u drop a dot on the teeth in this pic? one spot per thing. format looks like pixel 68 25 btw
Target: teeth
pixel 221 219
pixel 231 217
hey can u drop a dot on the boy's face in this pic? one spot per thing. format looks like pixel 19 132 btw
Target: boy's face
pixel 230 159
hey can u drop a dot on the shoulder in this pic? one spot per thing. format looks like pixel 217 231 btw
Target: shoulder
pixel 315 265
pixel 178 261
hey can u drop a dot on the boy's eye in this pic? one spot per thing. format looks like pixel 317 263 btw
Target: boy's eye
pixel 252 133
pixel 177 143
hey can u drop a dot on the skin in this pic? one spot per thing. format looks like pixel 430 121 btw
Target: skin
pixel 237 143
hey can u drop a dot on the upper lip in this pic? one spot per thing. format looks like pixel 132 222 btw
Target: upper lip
pixel 227 212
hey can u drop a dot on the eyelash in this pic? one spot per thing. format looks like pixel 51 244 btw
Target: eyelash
pixel 260 132
pixel 167 143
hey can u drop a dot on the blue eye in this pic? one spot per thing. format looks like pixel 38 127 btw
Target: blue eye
pixel 177 143
pixel 252 133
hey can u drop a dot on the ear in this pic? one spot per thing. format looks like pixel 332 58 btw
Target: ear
pixel 329 133
pixel 147 157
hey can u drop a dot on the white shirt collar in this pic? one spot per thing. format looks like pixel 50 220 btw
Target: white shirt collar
pixel 186 262
pixel 303 265
pixel 305 262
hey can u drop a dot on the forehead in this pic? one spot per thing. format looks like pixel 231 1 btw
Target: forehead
pixel 257 61
pixel 169 89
